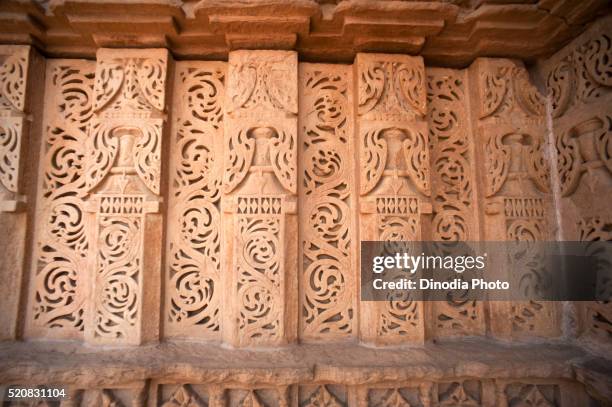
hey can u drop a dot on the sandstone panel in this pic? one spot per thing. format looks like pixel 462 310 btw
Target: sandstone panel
pixel 260 202
pixel 193 294
pixel 454 189
pixel 59 279
pixel 394 179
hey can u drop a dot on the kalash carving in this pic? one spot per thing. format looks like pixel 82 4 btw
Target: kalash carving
pixel 584 152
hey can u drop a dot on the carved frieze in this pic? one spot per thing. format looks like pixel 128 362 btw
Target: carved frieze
pixel 467 393
pixel 525 394
pixel 322 396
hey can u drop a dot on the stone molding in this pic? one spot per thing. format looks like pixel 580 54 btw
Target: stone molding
pixel 444 33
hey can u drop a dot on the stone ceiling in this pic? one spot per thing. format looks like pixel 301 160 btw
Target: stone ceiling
pixel 448 33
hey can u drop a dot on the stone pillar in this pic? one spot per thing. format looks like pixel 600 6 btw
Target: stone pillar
pixel 59 283
pixel 193 294
pixel 454 192
pixel 21 83
pixel 123 183
pixel 260 203
pixel 393 177
pixel 509 116
pixel 328 266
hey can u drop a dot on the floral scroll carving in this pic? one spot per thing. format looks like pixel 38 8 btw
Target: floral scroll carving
pixel 260 183
pixel 390 88
pixel 582 76
pixel 123 179
pixel 63 240
pixel 327 304
pixel 394 175
pixel 453 186
pixel 194 247
pixel 14 63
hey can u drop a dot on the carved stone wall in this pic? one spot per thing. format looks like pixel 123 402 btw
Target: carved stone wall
pixel 580 88
pixel 188 233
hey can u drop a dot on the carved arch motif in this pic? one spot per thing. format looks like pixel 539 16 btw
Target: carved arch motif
pixel 505 87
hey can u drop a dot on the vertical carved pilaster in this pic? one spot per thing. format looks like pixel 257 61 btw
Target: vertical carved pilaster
pixel 21 73
pixel 260 205
pixel 14 63
pixel 123 181
pixel 59 285
pixel 393 175
pixel 580 89
pixel 453 178
pixel 514 182
pixel 328 280
pixel 193 281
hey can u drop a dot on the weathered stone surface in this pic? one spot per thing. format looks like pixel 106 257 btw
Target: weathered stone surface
pixel 509 116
